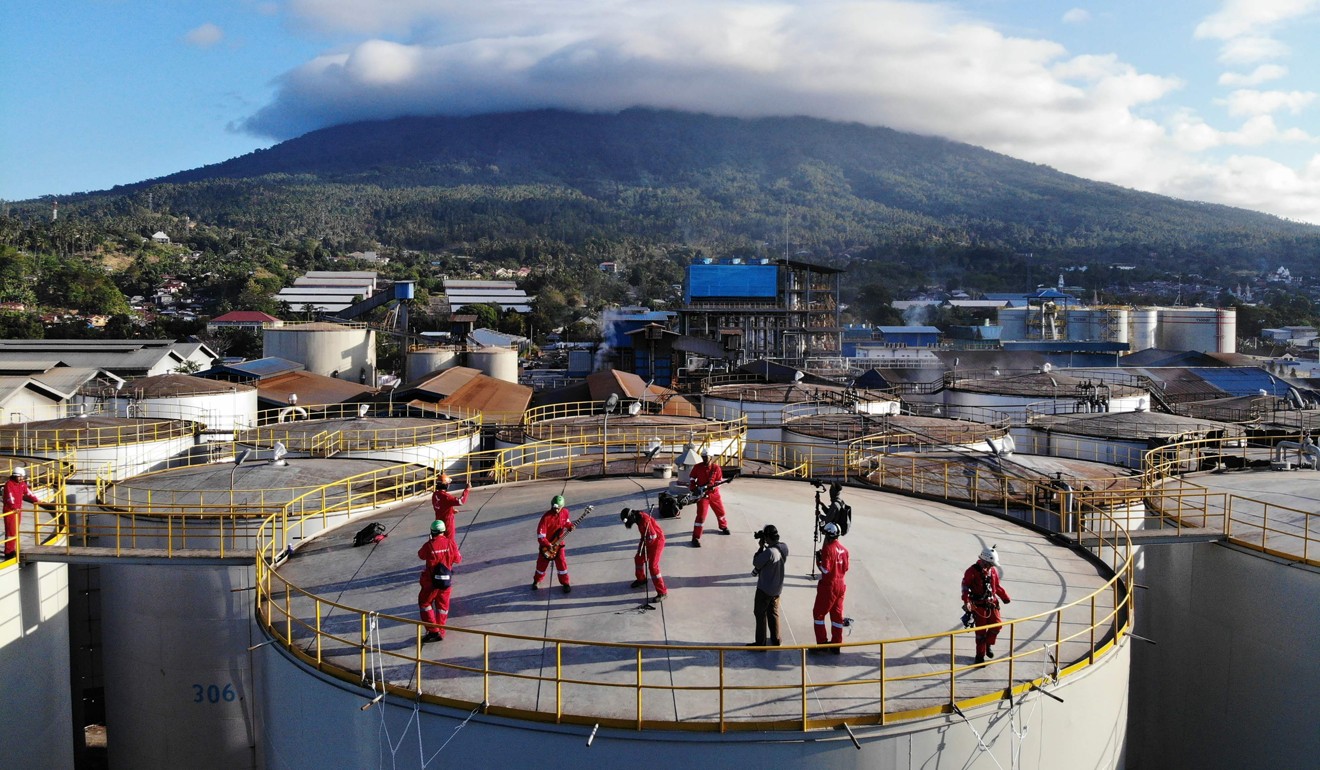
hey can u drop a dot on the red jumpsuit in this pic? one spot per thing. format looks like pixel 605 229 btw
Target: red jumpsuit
pixel 547 531
pixel 649 550
pixel 433 600
pixel 981 593
pixel 833 562
pixel 15 493
pixel 445 504
pixel 707 474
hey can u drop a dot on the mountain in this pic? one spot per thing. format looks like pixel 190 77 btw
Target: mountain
pixel 808 185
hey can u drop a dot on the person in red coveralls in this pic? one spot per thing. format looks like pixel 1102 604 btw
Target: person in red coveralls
pixel 648 550
pixel 981 593
pixel 445 504
pixel 16 492
pixel 707 475
pixel 440 554
pixel 832 559
pixel 550 531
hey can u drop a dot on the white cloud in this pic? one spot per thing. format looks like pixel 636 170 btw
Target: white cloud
pixel 1076 16
pixel 1248 102
pixel 1242 18
pixel 1262 74
pixel 914 66
pixel 204 36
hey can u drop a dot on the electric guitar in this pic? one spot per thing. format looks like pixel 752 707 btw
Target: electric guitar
pixel 551 550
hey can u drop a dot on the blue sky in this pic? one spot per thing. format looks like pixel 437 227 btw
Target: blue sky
pixel 1210 101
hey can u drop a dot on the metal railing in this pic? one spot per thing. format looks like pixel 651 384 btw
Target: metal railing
pixel 1278 530
pixel 563 422
pixel 1071 637
pixel 25 437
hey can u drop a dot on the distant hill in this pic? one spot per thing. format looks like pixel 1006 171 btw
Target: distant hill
pixel 812 186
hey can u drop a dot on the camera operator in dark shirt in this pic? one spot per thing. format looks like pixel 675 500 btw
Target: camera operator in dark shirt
pixel 768 567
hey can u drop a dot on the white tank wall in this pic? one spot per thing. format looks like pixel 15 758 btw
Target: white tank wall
pixel 310 720
pixel 1144 323
pixel 764 421
pixel 125 460
pixel 500 363
pixel 1203 329
pixel 36 718
pixel 345 350
pixel 446 454
pixel 426 361
pixel 219 412
pixel 1056 444
pixel 1235 670
pixel 167 631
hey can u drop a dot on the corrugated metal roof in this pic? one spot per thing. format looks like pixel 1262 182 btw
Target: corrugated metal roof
pixel 256 368
pixel 1243 381
pixel 168 385
pixel 311 389
pixel 498 401
pixel 440 384
pixel 69 379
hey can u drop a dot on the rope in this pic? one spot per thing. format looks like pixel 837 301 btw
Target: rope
pixel 377 669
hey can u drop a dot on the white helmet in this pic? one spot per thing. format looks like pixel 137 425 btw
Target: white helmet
pixel 990 555
pixel 830 530
pixel 19 471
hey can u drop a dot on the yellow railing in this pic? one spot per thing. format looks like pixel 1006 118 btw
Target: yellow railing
pixel 48 522
pixel 300 435
pixel 31 437
pixel 1279 530
pixel 1070 638
pixel 552 423
pixel 181 524
pixel 346 411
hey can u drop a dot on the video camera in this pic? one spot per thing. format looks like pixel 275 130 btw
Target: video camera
pixel 837 512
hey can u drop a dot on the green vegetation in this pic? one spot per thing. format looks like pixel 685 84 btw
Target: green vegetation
pixel 561 193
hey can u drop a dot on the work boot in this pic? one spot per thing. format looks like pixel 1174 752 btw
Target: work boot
pixel 637 584
pixel 432 636
pixel 535 585
pixel 696 543
pixel 566 588
pixel 725 531
pixel 661 597
pixel 978 659
pixel 989 653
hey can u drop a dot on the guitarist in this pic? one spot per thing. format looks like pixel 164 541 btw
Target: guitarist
pixel 705 480
pixel 554 526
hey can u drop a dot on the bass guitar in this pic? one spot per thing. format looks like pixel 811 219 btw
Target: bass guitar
pixel 551 550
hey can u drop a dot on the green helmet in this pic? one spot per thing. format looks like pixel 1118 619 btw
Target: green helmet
pixel 437 527
pixel 557 502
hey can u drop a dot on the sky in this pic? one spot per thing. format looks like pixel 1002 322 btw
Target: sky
pixel 1205 101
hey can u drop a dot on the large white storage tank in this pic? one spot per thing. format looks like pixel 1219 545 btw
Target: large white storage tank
pixel 176 636
pixel 426 361
pixel 346 351
pixel 500 363
pixel 222 407
pixel 1203 329
pixel 1144 321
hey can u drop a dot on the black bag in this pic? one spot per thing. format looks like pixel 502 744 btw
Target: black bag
pixel 668 506
pixel 372 533
pixel 442 577
pixel 839 513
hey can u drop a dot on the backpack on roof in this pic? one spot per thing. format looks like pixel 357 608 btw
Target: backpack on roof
pixel 372 533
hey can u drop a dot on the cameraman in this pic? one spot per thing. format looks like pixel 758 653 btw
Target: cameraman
pixel 768 567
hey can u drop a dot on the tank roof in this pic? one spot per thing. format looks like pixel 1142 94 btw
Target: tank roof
pixel 1134 425
pixel 908 558
pixel 788 393
pixel 924 430
pixel 95 430
pixel 1042 384
pixel 168 385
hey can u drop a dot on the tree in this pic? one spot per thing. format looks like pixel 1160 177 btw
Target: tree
pixel 488 314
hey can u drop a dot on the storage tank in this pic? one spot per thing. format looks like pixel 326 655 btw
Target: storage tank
pixel 1227 318
pixel 222 407
pixel 1144 321
pixel 346 351
pixel 423 362
pixel 1202 329
pixel 1014 323
pixel 35 724
pixel 500 363
pixel 176 636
